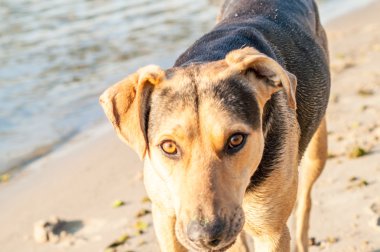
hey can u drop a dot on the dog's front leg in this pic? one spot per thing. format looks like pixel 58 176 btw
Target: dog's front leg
pixel 267 210
pixel 164 226
pixel 274 242
pixel 241 244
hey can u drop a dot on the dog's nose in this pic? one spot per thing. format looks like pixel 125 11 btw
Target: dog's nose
pixel 206 234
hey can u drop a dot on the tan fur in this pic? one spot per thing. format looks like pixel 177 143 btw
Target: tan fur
pixel 195 197
pixel 241 244
pixel 204 184
pixel 124 103
pixel 165 230
pixel 312 167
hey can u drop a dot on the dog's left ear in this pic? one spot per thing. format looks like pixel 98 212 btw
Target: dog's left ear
pixel 277 77
pixel 126 103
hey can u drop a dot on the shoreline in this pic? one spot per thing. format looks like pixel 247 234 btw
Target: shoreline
pixel 81 179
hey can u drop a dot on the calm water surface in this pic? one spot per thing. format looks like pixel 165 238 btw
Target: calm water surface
pixel 57 56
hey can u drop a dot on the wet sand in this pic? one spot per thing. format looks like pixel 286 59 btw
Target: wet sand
pixel 80 182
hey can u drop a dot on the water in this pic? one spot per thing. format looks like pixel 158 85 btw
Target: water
pixel 57 56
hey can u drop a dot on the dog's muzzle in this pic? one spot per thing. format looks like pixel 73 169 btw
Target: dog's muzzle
pixel 214 235
pixel 206 235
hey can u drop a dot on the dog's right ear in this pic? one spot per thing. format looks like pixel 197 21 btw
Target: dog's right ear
pixel 126 103
pixel 249 59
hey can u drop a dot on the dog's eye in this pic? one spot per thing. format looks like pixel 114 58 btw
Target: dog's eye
pixel 236 142
pixel 169 147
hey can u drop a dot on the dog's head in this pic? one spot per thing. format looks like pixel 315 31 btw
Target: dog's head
pixel 200 128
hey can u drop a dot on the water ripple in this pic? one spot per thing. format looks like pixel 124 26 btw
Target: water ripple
pixel 56 57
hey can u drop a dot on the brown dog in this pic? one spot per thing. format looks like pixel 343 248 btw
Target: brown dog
pixel 222 133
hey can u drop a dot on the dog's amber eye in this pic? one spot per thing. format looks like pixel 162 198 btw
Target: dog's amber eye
pixel 236 140
pixel 169 147
pixel 235 143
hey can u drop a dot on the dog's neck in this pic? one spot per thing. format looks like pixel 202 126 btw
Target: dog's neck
pixel 274 127
pixel 223 39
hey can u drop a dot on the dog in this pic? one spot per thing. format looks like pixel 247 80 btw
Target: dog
pixel 223 132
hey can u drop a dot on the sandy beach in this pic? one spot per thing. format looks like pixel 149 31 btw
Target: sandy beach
pixel 94 182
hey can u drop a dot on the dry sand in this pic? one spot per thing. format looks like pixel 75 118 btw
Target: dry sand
pixel 80 181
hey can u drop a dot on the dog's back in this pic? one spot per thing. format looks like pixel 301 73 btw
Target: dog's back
pixel 288 31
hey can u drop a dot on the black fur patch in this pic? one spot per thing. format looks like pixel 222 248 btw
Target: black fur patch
pixel 238 99
pixel 274 142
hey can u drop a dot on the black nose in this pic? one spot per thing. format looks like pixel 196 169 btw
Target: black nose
pixel 205 234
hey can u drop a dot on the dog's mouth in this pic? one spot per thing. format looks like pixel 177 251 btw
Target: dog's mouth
pixel 229 245
pixel 217 249
pixel 222 249
pixel 202 247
